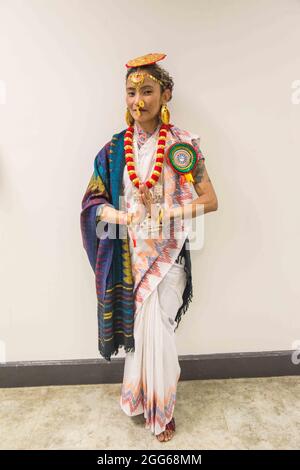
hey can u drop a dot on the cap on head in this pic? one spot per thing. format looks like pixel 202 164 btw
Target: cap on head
pixel 145 60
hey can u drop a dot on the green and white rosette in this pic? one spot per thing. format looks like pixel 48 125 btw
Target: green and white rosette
pixel 182 157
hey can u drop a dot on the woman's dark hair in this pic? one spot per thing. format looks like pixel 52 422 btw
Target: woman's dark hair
pixel 158 72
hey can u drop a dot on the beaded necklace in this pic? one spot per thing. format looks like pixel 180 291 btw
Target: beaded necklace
pixel 158 165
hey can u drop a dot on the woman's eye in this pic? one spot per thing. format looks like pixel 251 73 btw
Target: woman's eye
pixel 130 93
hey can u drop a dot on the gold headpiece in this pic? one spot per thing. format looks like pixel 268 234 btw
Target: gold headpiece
pixel 137 78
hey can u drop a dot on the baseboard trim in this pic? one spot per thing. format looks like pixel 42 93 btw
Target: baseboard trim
pixel 193 367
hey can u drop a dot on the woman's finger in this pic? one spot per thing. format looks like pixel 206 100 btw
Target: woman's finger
pixel 147 193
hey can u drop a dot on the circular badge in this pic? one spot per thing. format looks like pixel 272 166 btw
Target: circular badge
pixel 182 157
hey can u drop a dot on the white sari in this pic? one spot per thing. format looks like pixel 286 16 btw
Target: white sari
pixel 152 371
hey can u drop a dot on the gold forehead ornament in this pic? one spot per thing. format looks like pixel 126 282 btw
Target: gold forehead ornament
pixel 138 78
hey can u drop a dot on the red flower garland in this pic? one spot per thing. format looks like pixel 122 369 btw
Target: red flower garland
pixel 158 161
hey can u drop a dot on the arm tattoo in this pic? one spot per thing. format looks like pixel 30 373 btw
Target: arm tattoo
pixel 199 171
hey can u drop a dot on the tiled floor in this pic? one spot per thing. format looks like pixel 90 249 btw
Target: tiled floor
pixel 261 413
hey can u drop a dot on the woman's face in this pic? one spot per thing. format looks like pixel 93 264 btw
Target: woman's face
pixel 150 94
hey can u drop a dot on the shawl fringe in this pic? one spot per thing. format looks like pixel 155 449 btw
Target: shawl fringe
pixel 114 350
pixel 187 295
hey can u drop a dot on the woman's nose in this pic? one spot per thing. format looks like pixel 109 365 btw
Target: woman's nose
pixel 136 99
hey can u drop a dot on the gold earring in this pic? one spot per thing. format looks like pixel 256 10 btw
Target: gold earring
pixel 129 118
pixel 165 114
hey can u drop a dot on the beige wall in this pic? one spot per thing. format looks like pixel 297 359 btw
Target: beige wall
pixel 62 97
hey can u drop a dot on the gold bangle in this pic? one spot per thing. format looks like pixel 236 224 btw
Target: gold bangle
pixel 129 218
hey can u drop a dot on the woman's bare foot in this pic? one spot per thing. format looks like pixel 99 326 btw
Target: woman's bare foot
pixel 168 433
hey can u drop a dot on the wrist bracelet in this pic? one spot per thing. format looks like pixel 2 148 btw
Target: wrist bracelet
pixel 129 217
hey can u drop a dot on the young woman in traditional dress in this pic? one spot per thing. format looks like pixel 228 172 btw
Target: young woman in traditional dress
pixel 141 193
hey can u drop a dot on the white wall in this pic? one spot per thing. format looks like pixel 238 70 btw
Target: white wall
pixel 62 75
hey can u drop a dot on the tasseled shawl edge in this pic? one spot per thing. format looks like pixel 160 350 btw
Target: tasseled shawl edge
pixel 187 295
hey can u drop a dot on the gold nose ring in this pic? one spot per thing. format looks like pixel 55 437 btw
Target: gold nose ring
pixel 140 104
